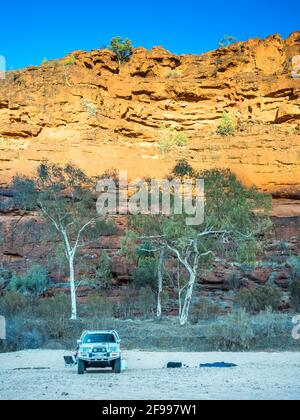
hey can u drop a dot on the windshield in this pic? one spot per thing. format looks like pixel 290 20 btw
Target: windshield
pixel 99 338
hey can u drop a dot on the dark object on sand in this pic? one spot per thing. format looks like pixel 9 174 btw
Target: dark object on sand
pixel 69 361
pixel 217 365
pixel 174 365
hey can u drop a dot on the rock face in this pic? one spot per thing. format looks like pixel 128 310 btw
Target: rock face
pixel 86 109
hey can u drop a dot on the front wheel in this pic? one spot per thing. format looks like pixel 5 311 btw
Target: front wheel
pixel 80 367
pixel 117 365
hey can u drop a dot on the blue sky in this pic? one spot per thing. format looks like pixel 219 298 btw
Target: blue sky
pixel 32 30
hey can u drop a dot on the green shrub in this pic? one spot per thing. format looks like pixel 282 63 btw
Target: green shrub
pixel 254 301
pixel 22 333
pixel 146 273
pixel 183 168
pixel 13 303
pixel 294 263
pixel 226 127
pixel 294 291
pixel 240 331
pixel 180 140
pixel 204 309
pixel 271 329
pixel 173 74
pixel 55 311
pixel 97 307
pixel 90 108
pixel 146 301
pixel 248 252
pixel 70 61
pixel 4 276
pixel 145 250
pixel 34 282
pixel 235 333
pixel 122 48
pixel 168 138
pixel 227 40
pixel 102 276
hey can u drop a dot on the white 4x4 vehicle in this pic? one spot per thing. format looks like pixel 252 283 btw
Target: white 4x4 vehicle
pixel 99 349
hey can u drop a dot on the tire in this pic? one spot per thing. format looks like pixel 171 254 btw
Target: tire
pixel 80 367
pixel 117 365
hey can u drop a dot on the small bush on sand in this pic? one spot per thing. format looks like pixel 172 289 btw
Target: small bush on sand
pixel 226 127
pixel 34 282
pixel 294 291
pixel 55 311
pixel 22 333
pixel 240 331
pixel 235 333
pixel 254 301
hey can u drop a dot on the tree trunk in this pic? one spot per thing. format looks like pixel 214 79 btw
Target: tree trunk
pixel 73 290
pixel 160 283
pixel 187 300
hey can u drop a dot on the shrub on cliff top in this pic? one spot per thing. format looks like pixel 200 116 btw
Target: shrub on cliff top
pixel 122 47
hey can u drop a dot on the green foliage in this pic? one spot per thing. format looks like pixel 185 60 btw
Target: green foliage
pixel 226 128
pixel 227 40
pixel 34 282
pixel 182 169
pixel 230 206
pixel 248 251
pixel 4 275
pixel 173 74
pixel 146 301
pixel 254 301
pixel 204 309
pixel 146 273
pixel 145 249
pixel 44 61
pixel 294 291
pixel 235 333
pixel 169 137
pixel 90 108
pixel 55 311
pixel 70 61
pixel 102 276
pixel 240 331
pixel 180 140
pixel 294 264
pixel 66 198
pixel 97 307
pixel 122 48
pixel 13 303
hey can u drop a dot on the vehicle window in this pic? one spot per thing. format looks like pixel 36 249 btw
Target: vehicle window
pixel 99 338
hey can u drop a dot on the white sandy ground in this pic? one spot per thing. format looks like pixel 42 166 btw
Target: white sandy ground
pixel 258 376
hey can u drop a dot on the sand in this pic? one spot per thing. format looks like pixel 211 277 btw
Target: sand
pixel 41 374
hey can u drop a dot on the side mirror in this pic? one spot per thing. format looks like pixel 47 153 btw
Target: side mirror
pixel 119 340
pixel 79 342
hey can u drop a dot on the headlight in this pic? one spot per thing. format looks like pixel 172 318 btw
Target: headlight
pixel 84 350
pixel 114 349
